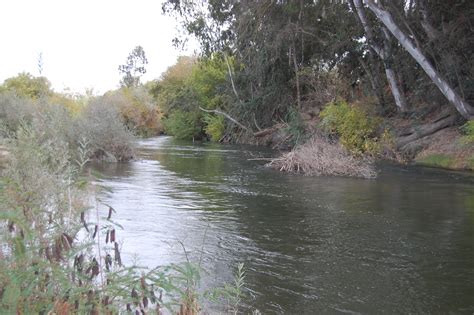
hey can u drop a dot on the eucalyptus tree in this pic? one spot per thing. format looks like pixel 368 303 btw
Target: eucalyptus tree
pixel 438 36
pixel 420 49
pixel 271 47
pixel 133 68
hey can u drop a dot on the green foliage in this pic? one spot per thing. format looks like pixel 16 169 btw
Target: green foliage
pixel 437 160
pixel 172 91
pixel 138 109
pixel 14 110
pixel 49 262
pixel 183 89
pixel 215 127
pixel 52 259
pixel 26 85
pixel 99 124
pixel 296 127
pixel 207 79
pixel 183 125
pixel 356 130
pixel 468 130
pixel 231 293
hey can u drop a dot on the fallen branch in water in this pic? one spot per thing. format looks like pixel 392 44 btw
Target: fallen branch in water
pixel 260 133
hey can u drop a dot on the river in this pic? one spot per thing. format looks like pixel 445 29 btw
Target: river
pixel 402 243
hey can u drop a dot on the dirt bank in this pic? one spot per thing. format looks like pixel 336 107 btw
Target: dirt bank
pixel 446 150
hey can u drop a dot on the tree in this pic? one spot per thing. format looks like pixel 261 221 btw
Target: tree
pixel 384 51
pixel 384 16
pixel 134 68
pixel 25 84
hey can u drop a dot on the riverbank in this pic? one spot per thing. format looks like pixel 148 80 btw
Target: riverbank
pixel 445 149
pixel 426 141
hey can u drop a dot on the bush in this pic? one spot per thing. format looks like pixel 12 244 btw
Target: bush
pixel 51 260
pixel 14 110
pixel 27 85
pixel 184 125
pixel 215 127
pixel 102 127
pixel 296 127
pixel 139 112
pixel 468 130
pixel 55 260
pixel 356 130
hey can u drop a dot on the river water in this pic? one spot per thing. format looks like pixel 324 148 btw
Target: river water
pixel 402 243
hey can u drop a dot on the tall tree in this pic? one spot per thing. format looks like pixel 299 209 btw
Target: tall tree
pixel 134 68
pixel 385 52
pixel 384 16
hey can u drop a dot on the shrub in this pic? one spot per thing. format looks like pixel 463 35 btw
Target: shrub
pixel 14 110
pixel 296 127
pixel 101 125
pixel 27 85
pixel 183 125
pixel 51 260
pixel 139 112
pixel 468 130
pixel 54 260
pixel 356 130
pixel 215 127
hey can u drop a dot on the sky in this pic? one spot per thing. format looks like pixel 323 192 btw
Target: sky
pixel 83 42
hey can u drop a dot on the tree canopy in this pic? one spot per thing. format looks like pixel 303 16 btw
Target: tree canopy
pixel 291 53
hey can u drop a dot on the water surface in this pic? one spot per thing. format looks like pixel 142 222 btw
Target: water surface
pixel 402 243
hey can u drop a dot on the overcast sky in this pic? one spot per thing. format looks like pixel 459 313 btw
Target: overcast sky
pixel 83 42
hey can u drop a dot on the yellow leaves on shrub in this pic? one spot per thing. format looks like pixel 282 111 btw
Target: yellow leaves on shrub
pixel 356 129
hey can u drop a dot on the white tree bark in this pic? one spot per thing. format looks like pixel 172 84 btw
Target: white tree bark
pixel 464 108
pixel 229 69
pixel 394 87
pixel 385 54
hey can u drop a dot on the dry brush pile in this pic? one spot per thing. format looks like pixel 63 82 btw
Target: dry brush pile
pixel 319 157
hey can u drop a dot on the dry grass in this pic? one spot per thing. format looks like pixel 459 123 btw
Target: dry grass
pixel 320 157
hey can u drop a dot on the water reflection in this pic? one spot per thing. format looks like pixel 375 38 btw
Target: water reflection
pixel 401 243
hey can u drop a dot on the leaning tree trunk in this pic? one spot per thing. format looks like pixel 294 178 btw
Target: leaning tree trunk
pixel 385 53
pixel 464 108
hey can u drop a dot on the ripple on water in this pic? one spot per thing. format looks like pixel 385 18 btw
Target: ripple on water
pixel 399 244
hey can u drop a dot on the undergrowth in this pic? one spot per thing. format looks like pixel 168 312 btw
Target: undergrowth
pixel 356 130
pixel 60 251
pixel 437 160
pixel 468 131
pixel 183 125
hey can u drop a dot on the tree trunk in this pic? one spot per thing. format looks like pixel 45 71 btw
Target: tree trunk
pixel 229 69
pixel 385 54
pixel 297 77
pixel 390 72
pixel 426 130
pixel 216 111
pixel 395 88
pixel 464 108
